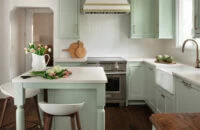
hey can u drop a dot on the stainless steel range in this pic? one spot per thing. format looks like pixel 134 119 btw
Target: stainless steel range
pixel 115 69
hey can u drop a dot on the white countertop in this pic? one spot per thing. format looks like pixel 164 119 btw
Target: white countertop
pixel 192 76
pixel 180 70
pixel 68 59
pixel 185 72
pixel 79 75
pixel 151 61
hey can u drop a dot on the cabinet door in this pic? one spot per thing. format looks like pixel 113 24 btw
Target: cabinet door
pixel 166 23
pixel 165 101
pixel 160 104
pixel 142 19
pixel 187 98
pixel 69 19
pixel 136 83
pixel 151 87
pixel 169 105
pixel 197 19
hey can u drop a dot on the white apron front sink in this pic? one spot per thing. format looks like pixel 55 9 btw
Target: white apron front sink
pixel 164 76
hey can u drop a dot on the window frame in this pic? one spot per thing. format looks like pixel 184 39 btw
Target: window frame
pixel 178 8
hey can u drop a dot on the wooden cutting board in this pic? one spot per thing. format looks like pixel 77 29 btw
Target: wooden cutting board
pixel 72 48
pixel 76 50
pixel 80 51
pixel 162 62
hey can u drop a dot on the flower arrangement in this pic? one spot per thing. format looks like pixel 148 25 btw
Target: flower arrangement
pixel 53 73
pixel 39 49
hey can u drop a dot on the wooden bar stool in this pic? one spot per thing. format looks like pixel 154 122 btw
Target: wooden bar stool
pixel 8 90
pixel 70 110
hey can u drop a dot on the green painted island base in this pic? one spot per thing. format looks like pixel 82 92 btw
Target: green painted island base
pixel 153 127
pixel 92 115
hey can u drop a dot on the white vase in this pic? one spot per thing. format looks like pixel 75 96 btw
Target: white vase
pixel 38 62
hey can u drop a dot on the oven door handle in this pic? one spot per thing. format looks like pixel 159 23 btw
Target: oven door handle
pixel 115 72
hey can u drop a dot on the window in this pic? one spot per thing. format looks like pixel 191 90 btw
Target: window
pixel 185 21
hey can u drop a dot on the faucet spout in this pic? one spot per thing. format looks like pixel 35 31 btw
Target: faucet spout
pixel 197 51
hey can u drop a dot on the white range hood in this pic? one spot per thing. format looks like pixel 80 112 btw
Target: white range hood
pixel 106 7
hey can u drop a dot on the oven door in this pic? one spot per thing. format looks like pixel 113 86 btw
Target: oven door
pixel 116 86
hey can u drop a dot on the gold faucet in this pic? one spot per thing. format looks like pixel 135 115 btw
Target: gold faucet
pixel 197 51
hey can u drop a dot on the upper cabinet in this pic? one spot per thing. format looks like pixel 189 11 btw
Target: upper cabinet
pixel 165 19
pixel 69 11
pixel 153 19
pixel 197 19
pixel 142 19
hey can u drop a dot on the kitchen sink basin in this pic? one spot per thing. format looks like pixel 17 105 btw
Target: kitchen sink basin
pixel 164 76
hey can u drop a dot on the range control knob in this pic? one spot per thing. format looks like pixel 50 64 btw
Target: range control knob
pixel 116 66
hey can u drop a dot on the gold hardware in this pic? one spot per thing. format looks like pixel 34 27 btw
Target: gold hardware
pixel 106 10
pixel 186 84
pixel 195 20
pixel 197 51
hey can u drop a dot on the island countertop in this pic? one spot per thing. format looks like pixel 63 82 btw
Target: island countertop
pixel 79 75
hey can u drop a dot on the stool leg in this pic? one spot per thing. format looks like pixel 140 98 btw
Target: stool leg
pixel 3 111
pixel 38 113
pixel 78 121
pixel 73 126
pixel 45 95
pixel 48 121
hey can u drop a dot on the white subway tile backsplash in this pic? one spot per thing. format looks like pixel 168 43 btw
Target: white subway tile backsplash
pixel 108 35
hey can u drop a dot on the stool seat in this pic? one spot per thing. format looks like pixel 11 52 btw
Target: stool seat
pixel 60 109
pixel 8 90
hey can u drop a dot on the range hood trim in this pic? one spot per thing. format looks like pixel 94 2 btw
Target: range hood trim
pixel 113 8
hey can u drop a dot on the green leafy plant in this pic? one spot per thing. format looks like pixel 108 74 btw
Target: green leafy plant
pixel 53 73
pixel 39 49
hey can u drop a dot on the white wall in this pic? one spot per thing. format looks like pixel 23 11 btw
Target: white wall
pixel 108 35
pixel 17 54
pixel 4 40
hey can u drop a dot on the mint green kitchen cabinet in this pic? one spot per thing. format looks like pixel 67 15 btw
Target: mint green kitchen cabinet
pixel 151 87
pixel 135 81
pixel 197 19
pixel 165 101
pixel 165 27
pixel 153 19
pixel 187 96
pixel 69 11
pixel 142 19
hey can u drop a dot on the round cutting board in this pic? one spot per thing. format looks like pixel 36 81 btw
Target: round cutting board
pixel 72 48
pixel 80 51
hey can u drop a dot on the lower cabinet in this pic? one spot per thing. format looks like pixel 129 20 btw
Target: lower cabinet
pixel 151 87
pixel 135 81
pixel 165 102
pixel 187 96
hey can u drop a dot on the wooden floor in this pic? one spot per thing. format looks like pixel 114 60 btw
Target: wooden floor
pixel 117 118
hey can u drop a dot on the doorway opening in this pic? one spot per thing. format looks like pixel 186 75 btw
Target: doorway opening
pixel 39 29
pixel 29 25
pixel 43 31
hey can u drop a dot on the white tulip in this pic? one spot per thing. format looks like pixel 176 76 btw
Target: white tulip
pixel 30 43
pixel 49 71
pixel 57 69
pixel 49 50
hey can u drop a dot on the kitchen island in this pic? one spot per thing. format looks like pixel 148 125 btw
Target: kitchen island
pixel 86 84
